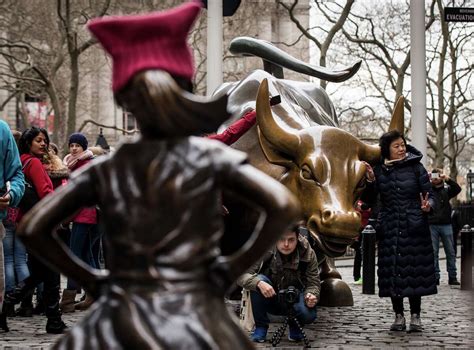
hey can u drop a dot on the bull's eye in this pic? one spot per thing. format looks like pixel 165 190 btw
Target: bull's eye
pixel 307 174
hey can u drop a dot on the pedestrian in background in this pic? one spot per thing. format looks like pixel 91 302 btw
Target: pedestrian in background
pixel 56 169
pixel 365 213
pixel 441 227
pixel 33 146
pixel 15 256
pixel 12 187
pixel 84 232
pixel 405 251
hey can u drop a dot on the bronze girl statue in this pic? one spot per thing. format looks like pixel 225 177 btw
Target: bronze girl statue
pixel 161 202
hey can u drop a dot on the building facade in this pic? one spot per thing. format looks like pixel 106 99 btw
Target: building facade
pixel 263 19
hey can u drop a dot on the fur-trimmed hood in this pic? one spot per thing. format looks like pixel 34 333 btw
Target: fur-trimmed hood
pixel 55 167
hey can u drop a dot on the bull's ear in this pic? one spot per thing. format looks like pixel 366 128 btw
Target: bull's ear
pixel 272 154
pixel 398 116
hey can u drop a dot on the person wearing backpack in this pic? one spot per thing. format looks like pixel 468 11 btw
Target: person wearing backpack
pixel 33 146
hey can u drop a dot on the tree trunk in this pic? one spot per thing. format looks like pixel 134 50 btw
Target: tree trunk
pixel 23 112
pixel 58 113
pixel 73 91
pixel 322 62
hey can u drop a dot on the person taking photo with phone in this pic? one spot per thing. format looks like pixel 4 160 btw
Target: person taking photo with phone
pixel 444 189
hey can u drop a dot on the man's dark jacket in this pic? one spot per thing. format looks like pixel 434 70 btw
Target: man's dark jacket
pixel 441 215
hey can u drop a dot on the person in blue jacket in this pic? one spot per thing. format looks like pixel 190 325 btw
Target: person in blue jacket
pixel 12 186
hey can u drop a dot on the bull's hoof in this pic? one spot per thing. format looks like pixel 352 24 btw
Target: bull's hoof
pixel 335 292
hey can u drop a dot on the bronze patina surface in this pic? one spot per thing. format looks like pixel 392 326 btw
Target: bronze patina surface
pixel 299 143
pixel 161 202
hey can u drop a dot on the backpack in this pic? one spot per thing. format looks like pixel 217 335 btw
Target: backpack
pixel 30 197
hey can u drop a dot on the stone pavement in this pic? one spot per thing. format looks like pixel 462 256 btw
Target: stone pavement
pixel 448 321
pixel 447 318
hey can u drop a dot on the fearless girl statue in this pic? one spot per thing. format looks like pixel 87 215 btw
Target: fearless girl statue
pixel 161 203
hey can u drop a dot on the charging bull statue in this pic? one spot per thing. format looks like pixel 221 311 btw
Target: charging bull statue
pixel 299 143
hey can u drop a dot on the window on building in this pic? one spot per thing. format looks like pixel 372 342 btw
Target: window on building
pixel 129 121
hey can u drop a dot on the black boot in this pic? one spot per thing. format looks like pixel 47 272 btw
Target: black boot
pixel 8 308
pixel 55 325
pixel 3 322
pixel 26 307
pixel 21 291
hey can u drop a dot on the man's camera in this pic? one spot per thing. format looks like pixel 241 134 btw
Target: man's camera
pixel 289 296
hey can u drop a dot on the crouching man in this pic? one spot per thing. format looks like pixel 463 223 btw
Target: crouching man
pixel 291 263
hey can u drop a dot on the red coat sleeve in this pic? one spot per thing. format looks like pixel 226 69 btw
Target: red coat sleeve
pixel 37 175
pixel 236 130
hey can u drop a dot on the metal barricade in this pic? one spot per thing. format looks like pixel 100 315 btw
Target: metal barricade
pixel 368 260
pixel 467 236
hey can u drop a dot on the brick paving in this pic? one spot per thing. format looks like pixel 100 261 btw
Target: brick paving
pixel 447 317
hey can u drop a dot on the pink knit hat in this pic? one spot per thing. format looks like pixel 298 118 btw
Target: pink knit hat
pixel 153 41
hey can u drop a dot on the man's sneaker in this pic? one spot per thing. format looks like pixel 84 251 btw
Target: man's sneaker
pixel 415 323
pixel 454 282
pixel 399 324
pixel 259 335
pixel 358 282
pixel 295 334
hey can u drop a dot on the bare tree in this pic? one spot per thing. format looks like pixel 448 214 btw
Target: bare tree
pixel 451 105
pixel 378 33
pixel 42 44
pixel 324 43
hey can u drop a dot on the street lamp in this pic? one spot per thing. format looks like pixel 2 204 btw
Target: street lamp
pixel 102 142
pixel 470 185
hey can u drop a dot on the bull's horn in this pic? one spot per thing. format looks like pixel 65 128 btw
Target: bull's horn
pixel 273 132
pixel 369 153
pixel 398 116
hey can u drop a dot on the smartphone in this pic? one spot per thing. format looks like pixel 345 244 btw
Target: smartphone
pixel 274 100
pixel 435 175
pixel 7 189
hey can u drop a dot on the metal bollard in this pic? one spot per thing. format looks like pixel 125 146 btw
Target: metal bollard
pixel 368 260
pixel 466 257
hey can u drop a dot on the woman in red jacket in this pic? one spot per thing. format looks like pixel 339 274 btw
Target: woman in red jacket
pixel 33 145
pixel 84 233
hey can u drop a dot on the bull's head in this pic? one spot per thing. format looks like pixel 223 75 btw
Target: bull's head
pixel 324 169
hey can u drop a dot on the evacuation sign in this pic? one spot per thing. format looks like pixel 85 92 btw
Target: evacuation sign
pixel 458 14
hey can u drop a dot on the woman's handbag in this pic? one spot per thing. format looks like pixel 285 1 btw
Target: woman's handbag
pixel 30 197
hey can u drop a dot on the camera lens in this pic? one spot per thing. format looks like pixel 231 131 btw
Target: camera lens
pixel 291 295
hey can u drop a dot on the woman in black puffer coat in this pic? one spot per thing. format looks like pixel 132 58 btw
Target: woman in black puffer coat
pixel 405 251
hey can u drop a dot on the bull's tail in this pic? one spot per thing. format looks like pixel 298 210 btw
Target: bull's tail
pixel 274 58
